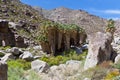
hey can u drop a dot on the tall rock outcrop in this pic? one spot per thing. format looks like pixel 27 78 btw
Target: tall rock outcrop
pixel 3 71
pixel 99 50
pixel 6 35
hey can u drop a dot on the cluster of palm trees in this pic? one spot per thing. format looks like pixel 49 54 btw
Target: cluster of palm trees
pixel 55 37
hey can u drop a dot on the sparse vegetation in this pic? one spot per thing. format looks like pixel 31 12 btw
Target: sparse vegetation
pixel 111 26
pixel 111 75
pixel 19 64
pixel 60 59
pixel 17 70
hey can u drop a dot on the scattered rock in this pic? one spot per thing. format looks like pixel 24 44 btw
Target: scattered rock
pixel 27 56
pixel 14 25
pixel 37 47
pixel 39 66
pixel 37 57
pixel 7 57
pixel 117 40
pixel 3 70
pixel 87 79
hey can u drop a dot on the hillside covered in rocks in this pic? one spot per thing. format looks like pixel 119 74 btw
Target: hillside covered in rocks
pixel 89 22
pixel 58 44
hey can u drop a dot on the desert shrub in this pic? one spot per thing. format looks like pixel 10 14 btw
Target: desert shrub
pixel 17 70
pixel 110 27
pixel 19 64
pixel 15 73
pixel 96 73
pixel 67 55
pixel 71 54
pixel 55 60
pixel 116 66
pixel 5 47
pixel 111 75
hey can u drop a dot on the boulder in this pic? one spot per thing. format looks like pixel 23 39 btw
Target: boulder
pixel 7 57
pixel 15 51
pixel 117 59
pixel 99 50
pixel 37 47
pixel 39 66
pixel 117 40
pixel 3 70
pixel 26 56
pixel 15 25
pixel 73 65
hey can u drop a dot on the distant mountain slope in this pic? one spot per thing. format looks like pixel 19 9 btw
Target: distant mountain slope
pixel 89 22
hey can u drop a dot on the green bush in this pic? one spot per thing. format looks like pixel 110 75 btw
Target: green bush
pixel 17 70
pixel 18 73
pixel 111 75
pixel 5 47
pixel 19 64
pixel 55 60
pixel 67 55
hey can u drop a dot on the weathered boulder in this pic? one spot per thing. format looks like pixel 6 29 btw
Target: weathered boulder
pixel 99 50
pixel 3 70
pixel 26 56
pixel 7 57
pixel 14 51
pixel 39 66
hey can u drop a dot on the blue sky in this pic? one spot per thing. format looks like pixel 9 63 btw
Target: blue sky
pixel 103 8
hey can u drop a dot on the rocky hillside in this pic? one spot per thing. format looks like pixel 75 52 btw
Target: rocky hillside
pixel 89 22
pixel 23 15
pixel 23 20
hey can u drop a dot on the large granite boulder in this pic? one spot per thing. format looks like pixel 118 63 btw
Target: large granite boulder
pixel 26 56
pixel 99 50
pixel 39 66
pixel 3 70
